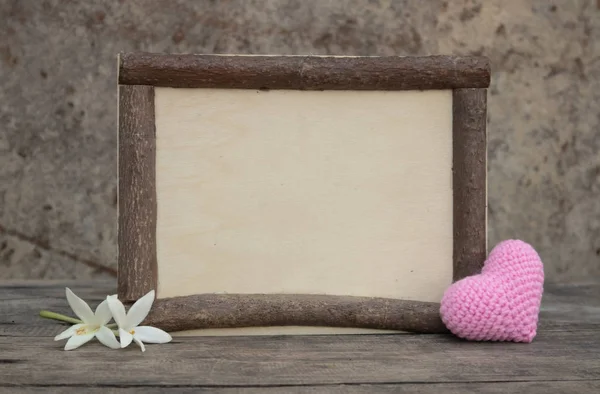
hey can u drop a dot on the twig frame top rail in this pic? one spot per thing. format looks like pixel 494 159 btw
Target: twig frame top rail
pixel 304 72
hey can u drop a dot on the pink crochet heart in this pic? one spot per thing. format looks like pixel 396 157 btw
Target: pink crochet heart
pixel 503 302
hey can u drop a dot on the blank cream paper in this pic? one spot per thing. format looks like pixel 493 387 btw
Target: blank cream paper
pixel 311 192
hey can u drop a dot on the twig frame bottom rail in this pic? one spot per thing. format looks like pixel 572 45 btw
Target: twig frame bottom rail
pixel 203 311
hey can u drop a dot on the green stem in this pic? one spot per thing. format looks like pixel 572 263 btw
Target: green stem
pixel 112 325
pixel 58 316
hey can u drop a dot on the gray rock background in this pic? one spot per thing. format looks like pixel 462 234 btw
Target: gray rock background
pixel 58 108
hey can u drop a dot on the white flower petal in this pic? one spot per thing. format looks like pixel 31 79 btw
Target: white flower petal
pixel 77 340
pixel 138 311
pixel 140 344
pixel 107 338
pixel 151 335
pixel 103 313
pixel 118 312
pixel 125 337
pixel 68 332
pixel 80 307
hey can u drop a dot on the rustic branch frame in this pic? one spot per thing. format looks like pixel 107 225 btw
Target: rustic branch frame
pixel 139 73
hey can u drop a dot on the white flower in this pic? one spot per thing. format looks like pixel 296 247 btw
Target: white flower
pixel 93 324
pixel 128 322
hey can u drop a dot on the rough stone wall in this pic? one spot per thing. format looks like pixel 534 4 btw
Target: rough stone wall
pixel 58 108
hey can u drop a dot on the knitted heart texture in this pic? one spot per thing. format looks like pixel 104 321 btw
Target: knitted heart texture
pixel 502 303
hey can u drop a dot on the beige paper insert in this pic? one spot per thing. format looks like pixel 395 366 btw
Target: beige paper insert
pixel 334 192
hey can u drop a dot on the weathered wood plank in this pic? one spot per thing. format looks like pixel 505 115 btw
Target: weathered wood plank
pixel 304 72
pixel 564 307
pixel 563 358
pixel 313 360
pixel 418 388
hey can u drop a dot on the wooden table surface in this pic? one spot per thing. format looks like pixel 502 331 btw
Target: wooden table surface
pixel 564 357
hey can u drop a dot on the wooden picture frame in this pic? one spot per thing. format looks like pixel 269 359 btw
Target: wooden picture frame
pixel 140 73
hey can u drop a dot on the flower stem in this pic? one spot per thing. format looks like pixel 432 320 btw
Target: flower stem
pixel 112 325
pixel 58 316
